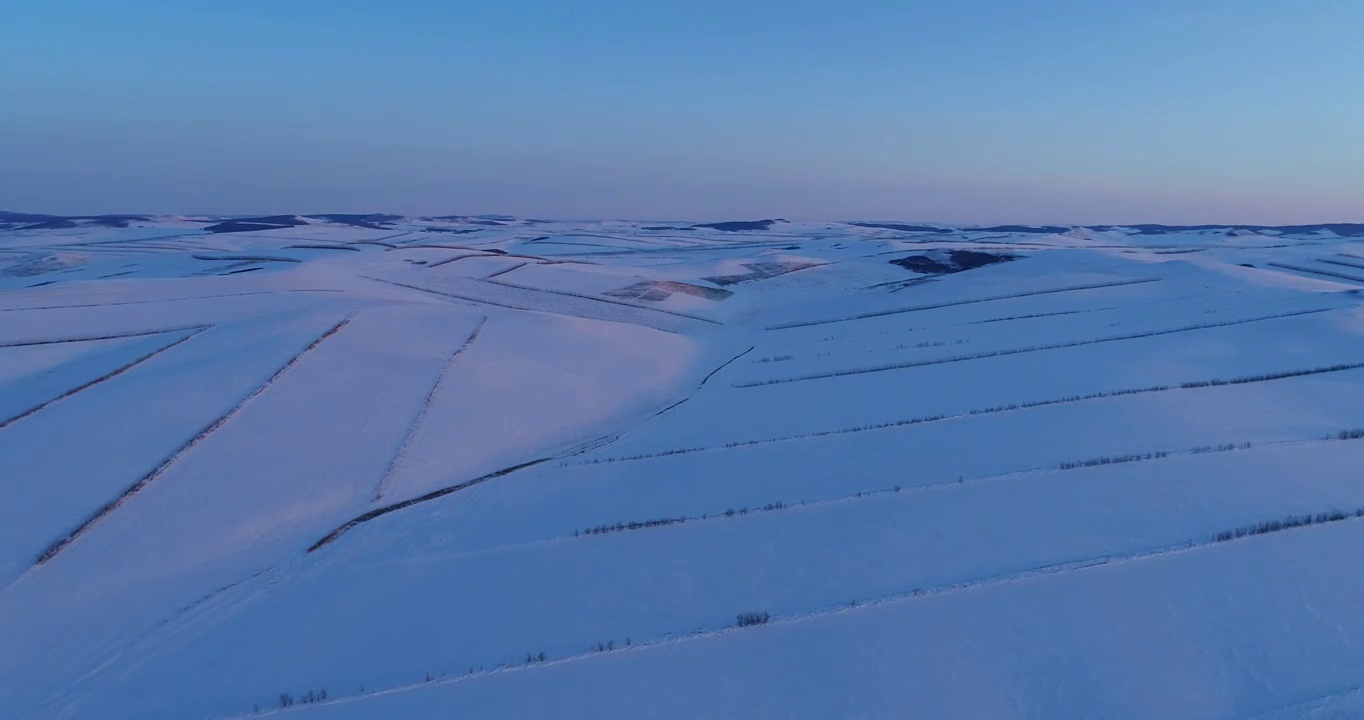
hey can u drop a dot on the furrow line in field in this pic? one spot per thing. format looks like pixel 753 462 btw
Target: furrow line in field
pixel 163 300
pixel 107 336
pixel 401 453
pixel 156 472
pixel 583 296
pixel 1311 271
pixel 107 376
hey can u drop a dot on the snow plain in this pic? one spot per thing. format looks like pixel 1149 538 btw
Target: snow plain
pixel 485 467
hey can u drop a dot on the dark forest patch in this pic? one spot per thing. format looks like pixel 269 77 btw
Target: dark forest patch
pixel 952 261
pixel 903 227
pixel 272 222
pixel 372 221
pixel 740 225
pixel 1027 229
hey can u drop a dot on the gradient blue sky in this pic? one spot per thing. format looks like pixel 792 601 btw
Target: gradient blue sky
pixel 954 111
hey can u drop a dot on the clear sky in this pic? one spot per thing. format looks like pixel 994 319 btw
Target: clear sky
pixel 943 110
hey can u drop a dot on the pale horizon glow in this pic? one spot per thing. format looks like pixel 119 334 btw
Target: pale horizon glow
pixel 978 111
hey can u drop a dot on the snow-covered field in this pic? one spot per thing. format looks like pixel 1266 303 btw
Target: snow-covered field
pixel 381 467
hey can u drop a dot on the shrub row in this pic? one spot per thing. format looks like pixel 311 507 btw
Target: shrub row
pixel 953 303
pixel 641 525
pixel 1265 377
pixel 1293 521
pixel 1114 460
pixel 312 696
pixel 1019 351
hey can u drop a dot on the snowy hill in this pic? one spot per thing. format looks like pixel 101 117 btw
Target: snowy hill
pixel 370 466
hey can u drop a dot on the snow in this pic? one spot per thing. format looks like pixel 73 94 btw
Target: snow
pixel 1214 632
pixel 399 464
pixel 516 369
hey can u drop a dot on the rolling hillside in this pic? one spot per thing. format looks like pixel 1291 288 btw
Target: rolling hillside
pixel 364 466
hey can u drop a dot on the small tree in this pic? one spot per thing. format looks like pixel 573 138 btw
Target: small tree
pixel 749 619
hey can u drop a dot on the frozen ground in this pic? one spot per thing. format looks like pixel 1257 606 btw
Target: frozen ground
pixel 373 467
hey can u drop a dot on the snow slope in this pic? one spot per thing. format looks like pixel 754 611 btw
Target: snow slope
pixel 359 467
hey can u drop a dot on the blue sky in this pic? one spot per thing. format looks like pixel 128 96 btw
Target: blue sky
pixel 962 111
